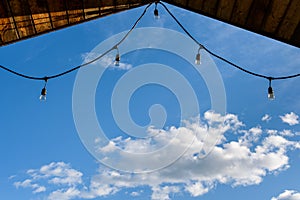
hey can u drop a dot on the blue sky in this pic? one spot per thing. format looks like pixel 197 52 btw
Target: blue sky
pixel 42 156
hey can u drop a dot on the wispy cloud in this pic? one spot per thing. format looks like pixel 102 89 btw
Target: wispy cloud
pixel 266 118
pixel 285 133
pixel 57 174
pixel 106 61
pixel 64 194
pixel 288 195
pixel 135 194
pixel 254 154
pixel 290 118
pixel 36 188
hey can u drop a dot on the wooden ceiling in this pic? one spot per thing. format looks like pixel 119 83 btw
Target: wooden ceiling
pixel 21 19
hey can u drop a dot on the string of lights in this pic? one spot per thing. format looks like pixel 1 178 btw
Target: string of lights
pixel 117 58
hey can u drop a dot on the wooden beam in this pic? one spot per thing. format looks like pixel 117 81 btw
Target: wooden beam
pixel 225 9
pixel 290 21
pixel 257 14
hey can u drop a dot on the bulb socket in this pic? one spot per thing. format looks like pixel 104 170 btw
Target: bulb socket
pixel 44 92
pixel 156 13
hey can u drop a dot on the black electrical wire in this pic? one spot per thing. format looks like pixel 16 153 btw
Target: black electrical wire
pixel 221 58
pixel 46 78
pixel 127 34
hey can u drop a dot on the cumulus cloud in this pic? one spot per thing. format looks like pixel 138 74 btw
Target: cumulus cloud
pixel 57 173
pixel 246 160
pixel 250 136
pixel 66 194
pixel 288 195
pixel 290 118
pixel 198 189
pixel 162 193
pixel 266 118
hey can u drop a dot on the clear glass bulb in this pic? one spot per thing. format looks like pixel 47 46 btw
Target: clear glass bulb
pixel 271 95
pixel 198 57
pixel 117 60
pixel 43 94
pixel 156 15
pixel 43 97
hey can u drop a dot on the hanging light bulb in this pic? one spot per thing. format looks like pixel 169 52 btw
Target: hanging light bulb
pixel 198 57
pixel 44 92
pixel 271 95
pixel 156 15
pixel 117 59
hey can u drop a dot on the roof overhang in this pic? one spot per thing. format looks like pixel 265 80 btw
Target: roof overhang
pixel 21 19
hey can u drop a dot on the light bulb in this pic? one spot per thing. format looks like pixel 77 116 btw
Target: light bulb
pixel 198 61
pixel 117 60
pixel 156 16
pixel 43 94
pixel 271 95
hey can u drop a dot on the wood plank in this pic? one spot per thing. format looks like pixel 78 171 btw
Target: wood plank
pixel 107 3
pixel 276 14
pixel 40 15
pixel 210 7
pixel 196 5
pixel 3 10
pixel 91 13
pixel 180 3
pixel 91 8
pixel 290 21
pixel 296 36
pixel 225 9
pixel 21 13
pixel 257 14
pixel 121 4
pixel 240 12
pixel 58 13
pixel 7 29
pixel 75 11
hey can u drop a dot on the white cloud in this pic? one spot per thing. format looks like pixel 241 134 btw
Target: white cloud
pixel 244 161
pixel 266 118
pixel 250 136
pixel 12 177
pixel 287 133
pixel 162 193
pixel 135 194
pixel 70 193
pixel 272 131
pixel 106 61
pixel 288 195
pixel 198 189
pixel 290 118
pixel 36 188
pixel 57 173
